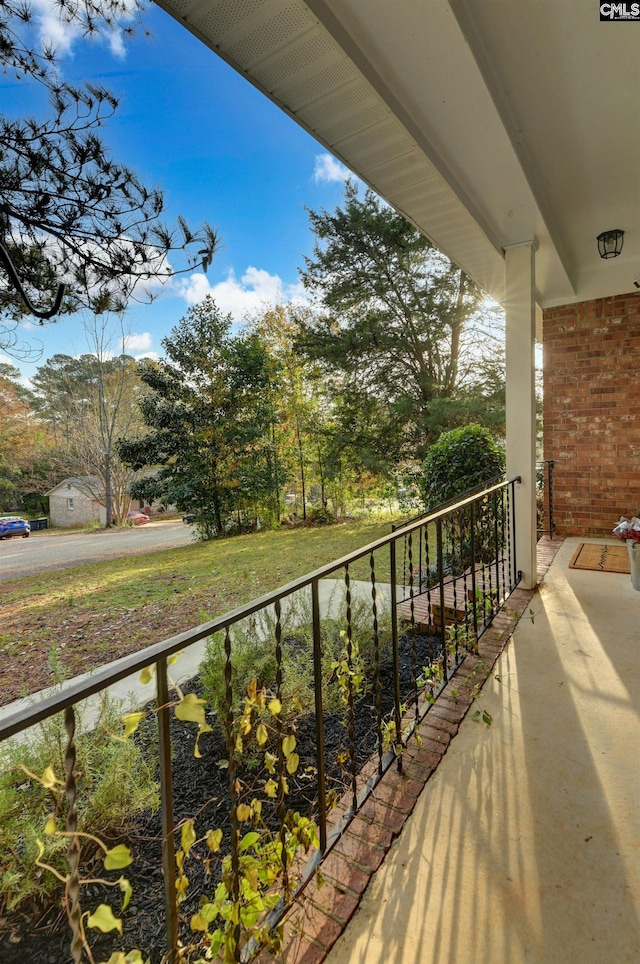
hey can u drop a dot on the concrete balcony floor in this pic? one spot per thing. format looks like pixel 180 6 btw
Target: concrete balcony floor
pixel 525 843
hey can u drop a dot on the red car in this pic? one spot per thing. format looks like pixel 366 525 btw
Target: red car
pixel 137 518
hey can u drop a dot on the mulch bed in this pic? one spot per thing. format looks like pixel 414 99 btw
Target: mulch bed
pixel 202 788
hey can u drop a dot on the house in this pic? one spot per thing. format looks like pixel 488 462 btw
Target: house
pixel 77 500
pixel 509 133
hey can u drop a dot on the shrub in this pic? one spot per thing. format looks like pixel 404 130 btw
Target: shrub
pixel 108 801
pixel 459 460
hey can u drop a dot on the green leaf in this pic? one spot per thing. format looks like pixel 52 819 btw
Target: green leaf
pixel 249 840
pixel 191 709
pixel 50 826
pixel 187 836
pixel 127 890
pixel 117 858
pixel 131 722
pixel 147 675
pixel 103 919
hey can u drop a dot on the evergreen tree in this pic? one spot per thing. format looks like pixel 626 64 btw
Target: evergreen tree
pixel 208 421
pixel 69 212
pixel 399 326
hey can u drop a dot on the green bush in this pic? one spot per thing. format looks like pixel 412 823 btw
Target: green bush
pixel 114 784
pixel 461 459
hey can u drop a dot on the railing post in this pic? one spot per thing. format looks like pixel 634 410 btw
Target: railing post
pixel 443 631
pixel 166 800
pixel 474 597
pixel 394 645
pixel 317 676
pixel 516 571
pixel 552 524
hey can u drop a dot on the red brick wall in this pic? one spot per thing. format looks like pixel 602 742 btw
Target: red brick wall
pixel 591 354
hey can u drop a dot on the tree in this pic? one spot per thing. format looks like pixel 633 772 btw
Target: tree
pixel 399 324
pixel 208 421
pixel 24 441
pixel 69 212
pixel 90 403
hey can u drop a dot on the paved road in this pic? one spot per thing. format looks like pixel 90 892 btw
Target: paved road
pixel 45 550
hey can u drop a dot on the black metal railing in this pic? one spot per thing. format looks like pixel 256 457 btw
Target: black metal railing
pixel 345 655
pixel 544 488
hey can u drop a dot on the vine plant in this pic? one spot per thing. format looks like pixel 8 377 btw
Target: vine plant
pixel 255 876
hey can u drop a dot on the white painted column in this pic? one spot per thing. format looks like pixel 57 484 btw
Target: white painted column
pixel 521 399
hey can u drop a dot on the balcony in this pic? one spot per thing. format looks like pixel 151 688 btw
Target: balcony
pixel 524 844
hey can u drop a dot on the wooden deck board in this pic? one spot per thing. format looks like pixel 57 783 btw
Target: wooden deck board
pixel 424 609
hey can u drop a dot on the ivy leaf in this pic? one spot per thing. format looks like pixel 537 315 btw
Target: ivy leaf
pixel 275 706
pixel 50 826
pixel 243 811
pixel 131 722
pixel 147 675
pixel 127 890
pixel 48 778
pixel 271 788
pixel 191 709
pixel 288 745
pixel 262 734
pixel 117 858
pixel 203 728
pixel 292 763
pixel 187 836
pixel 119 957
pixel 103 919
pixel 249 840
pixel 214 839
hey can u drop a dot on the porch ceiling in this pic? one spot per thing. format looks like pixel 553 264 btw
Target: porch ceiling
pixel 486 124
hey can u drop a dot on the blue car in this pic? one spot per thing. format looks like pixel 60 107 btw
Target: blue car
pixel 13 525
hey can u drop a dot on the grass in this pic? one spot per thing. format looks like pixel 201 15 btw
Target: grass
pixel 91 614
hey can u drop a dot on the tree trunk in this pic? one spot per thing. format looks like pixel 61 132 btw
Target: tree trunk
pixel 301 461
pixel 108 495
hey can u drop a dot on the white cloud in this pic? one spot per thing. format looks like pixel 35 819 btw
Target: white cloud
pixel 53 29
pixel 255 291
pixel 137 344
pixel 328 170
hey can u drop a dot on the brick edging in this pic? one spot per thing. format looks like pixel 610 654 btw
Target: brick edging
pixel 322 912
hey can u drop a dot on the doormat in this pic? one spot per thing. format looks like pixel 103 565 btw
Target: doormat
pixel 607 558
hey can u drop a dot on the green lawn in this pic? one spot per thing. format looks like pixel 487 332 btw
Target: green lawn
pixel 94 613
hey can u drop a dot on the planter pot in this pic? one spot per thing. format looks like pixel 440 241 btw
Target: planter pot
pixel 634 562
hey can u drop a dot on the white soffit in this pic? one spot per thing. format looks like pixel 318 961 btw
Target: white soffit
pixel 448 118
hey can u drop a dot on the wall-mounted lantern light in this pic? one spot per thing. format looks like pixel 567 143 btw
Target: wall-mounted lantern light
pixel 610 243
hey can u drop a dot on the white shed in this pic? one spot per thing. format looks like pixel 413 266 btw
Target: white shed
pixel 75 501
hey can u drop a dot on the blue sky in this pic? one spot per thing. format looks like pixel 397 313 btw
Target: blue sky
pixel 221 152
